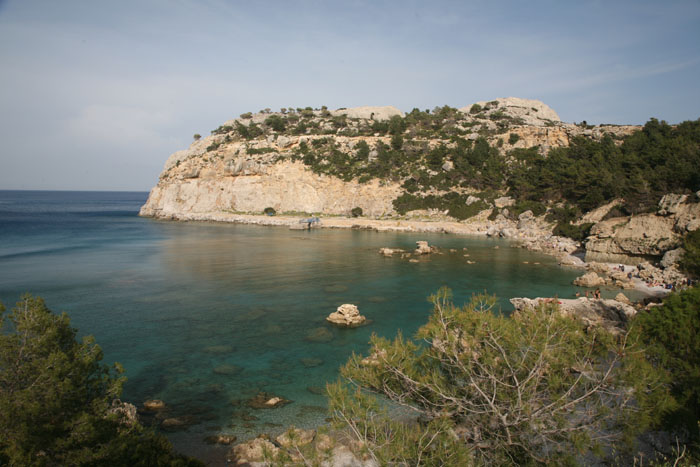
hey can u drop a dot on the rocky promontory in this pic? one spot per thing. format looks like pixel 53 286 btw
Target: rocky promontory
pixel 451 170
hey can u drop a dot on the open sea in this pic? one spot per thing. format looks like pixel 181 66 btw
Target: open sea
pixel 206 315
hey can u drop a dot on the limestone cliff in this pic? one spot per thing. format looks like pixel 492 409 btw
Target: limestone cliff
pixel 257 161
pixel 637 238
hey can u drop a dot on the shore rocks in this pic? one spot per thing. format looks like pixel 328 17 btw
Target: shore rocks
pixel 422 248
pixel 347 315
pixel 590 279
pixel 257 450
pixel 295 437
pixel 390 251
pixel 612 315
pixel 672 257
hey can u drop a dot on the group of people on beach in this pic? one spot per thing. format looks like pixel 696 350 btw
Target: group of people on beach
pixel 595 294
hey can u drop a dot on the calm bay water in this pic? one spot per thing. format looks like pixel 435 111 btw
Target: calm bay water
pixel 205 315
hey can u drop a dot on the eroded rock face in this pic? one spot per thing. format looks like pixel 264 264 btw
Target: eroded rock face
pixel 249 187
pixel 347 315
pixel 636 236
pixel 633 239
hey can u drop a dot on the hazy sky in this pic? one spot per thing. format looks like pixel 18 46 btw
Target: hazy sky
pixel 95 95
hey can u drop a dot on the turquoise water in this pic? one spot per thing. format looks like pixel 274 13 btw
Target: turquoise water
pixel 205 315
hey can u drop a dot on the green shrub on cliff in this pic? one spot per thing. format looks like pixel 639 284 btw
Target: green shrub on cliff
pixel 535 388
pixel 56 398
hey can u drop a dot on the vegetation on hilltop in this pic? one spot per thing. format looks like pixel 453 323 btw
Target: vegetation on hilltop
pixel 443 157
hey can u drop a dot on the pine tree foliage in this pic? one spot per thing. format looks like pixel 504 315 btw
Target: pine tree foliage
pixel 57 398
pixel 534 388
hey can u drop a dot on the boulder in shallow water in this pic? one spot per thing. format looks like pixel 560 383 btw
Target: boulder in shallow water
pixel 422 248
pixel 347 315
pixel 154 404
pixel 389 251
pixel 590 279
pixel 264 400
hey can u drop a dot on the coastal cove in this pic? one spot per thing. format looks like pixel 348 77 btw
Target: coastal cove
pixel 205 315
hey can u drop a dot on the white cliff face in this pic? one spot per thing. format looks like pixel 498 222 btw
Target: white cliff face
pixel 285 186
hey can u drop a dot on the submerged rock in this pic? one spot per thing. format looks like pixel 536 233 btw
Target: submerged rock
pixel 227 370
pixel 154 404
pixel 220 439
pixel 311 362
pixel 347 315
pixel 319 334
pixel 264 400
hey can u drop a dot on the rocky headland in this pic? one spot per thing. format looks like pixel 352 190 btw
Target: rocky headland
pixel 400 170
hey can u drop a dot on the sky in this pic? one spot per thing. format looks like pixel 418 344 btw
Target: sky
pixel 96 94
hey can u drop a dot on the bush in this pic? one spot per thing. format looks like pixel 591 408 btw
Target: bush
pixel 475 109
pixel 197 136
pixel 56 398
pixel 269 211
pixel 276 122
pixel 529 389
pixel 574 232
pixel 513 138
pixel 671 331
pixel 356 212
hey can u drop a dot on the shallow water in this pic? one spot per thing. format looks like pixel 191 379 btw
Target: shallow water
pixel 205 315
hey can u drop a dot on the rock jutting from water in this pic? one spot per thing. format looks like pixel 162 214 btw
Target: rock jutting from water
pixel 347 315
